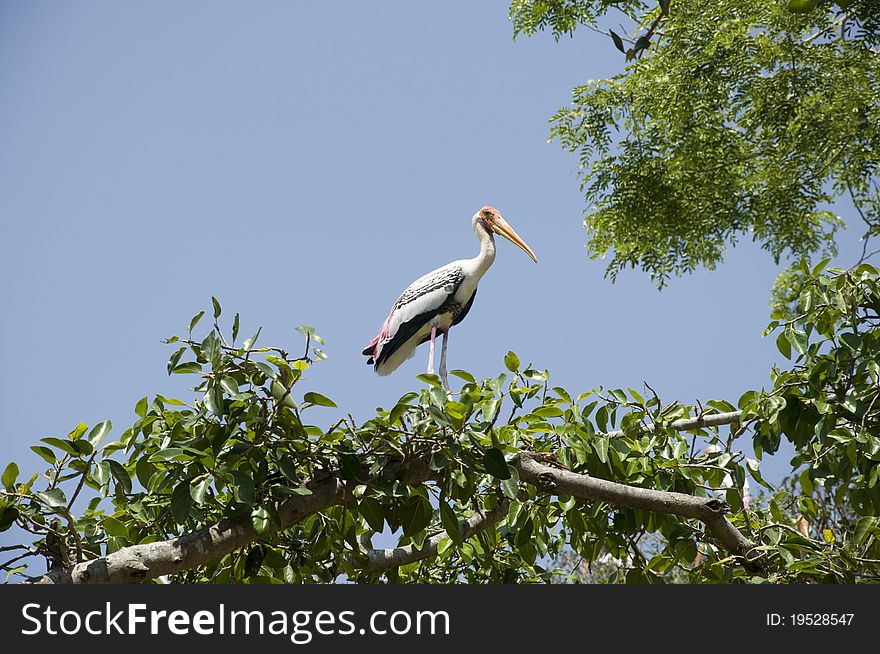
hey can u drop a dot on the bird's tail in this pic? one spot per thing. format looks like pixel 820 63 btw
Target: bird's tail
pixel 370 351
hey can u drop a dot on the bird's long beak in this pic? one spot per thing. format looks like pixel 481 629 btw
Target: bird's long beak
pixel 500 225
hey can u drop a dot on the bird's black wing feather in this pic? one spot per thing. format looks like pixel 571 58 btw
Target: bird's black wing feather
pixel 404 333
pixel 467 307
pixel 448 278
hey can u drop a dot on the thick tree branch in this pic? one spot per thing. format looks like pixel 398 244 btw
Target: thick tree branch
pixel 138 563
pixel 709 510
pixel 382 559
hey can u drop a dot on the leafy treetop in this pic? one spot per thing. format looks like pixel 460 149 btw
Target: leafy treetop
pixel 737 118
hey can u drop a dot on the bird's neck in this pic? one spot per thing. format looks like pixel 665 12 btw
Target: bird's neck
pixel 487 248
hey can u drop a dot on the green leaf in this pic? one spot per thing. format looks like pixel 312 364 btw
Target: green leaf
pixel 8 515
pixel 495 464
pixel 114 527
pixel 249 342
pixel 181 502
pixel 510 487
pixel 64 446
pixel 211 348
pixel 216 304
pixel 449 522
pixel 281 394
pixel 143 470
pixel 431 379
pixel 261 521
pixel 213 401
pixel 199 490
pixel 235 328
pixel 98 432
pixel 371 509
pixel 797 338
pixel 83 447
pixel 579 447
pixel 141 407
pixel 309 332
pixel 802 6
pixel 243 487
pixel 511 361
pixel 172 362
pixel 187 368
pixel 78 431
pixel 549 412
pixel 783 345
pixel 287 466
pixel 561 392
pixel 415 515
pixel 300 490
pixel 746 398
pixel 229 385
pixel 195 321
pixel 852 341
pixel 438 461
pixel 44 452
pixel 489 409
pixel 444 546
pixel 819 267
pixel 10 474
pixel 806 482
pixel 462 374
pixel 54 497
pixel 320 400
pixel 754 470
pixel 120 474
pixel 864 528
pixel 524 533
pixel 618 42
pixel 455 409
pixel 536 375
pixel 349 466
pixel 723 406
pixel 396 413
pixel 600 444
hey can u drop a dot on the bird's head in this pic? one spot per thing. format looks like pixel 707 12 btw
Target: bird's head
pixel 492 222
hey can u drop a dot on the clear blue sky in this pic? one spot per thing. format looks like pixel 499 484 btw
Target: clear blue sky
pixel 304 162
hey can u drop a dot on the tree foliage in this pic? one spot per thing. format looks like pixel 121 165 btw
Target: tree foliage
pixel 738 118
pixel 249 449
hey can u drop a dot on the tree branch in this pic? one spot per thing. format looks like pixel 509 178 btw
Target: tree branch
pixel 138 563
pixel 382 559
pixel 709 510
pixel 686 424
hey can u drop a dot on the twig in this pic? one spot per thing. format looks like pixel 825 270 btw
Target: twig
pixel 687 424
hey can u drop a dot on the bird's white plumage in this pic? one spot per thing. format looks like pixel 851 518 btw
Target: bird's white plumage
pixel 425 296
pixel 438 300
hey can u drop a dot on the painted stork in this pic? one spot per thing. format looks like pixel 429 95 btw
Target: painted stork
pixel 437 301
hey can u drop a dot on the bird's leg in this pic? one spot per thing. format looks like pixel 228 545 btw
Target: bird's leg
pixel 431 348
pixel 443 377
